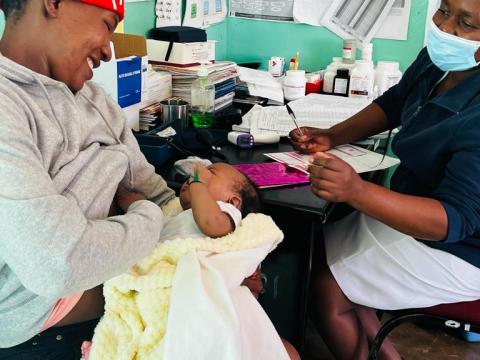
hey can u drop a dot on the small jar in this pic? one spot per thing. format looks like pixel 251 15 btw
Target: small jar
pixel 294 84
pixel 349 51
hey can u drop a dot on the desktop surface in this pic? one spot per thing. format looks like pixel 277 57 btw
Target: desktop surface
pixel 298 197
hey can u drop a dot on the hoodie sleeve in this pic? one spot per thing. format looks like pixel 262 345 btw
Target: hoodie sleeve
pixel 142 176
pixel 45 239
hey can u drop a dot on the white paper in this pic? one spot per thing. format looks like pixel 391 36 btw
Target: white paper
pixel 217 11
pixel 194 10
pixel 356 19
pixel 360 159
pixel 261 83
pixel 277 10
pixel 395 26
pixel 321 111
pixel 168 12
pixel 310 11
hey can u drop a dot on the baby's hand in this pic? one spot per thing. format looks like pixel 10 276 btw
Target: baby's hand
pixel 125 197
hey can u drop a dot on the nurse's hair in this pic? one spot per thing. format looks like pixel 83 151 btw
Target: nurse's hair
pixel 13 8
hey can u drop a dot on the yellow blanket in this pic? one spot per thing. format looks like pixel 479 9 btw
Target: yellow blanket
pixel 137 303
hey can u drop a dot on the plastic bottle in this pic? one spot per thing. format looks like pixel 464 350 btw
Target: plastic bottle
pixel 337 62
pixel 387 75
pixel 341 82
pixel 367 51
pixel 203 100
pixel 362 79
pixel 328 79
pixel 349 51
pixel 294 84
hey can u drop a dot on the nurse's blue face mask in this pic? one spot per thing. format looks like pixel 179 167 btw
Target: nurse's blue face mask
pixel 449 52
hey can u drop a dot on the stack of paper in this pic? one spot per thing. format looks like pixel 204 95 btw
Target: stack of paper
pixel 149 115
pixel 158 87
pixel 222 74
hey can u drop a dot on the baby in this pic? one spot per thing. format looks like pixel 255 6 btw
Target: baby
pixel 215 200
pixel 218 197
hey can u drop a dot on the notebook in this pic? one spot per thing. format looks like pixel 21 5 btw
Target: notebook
pixel 272 174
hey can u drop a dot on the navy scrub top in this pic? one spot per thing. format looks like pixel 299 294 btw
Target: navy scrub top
pixel 439 148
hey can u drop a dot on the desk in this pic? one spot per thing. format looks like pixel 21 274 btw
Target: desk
pixel 300 215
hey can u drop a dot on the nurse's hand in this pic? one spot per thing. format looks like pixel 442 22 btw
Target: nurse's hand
pixel 313 140
pixel 333 179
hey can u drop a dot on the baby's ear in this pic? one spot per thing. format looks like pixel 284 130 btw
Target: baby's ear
pixel 236 201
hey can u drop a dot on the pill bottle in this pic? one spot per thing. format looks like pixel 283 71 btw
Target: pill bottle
pixel 349 51
pixel 362 79
pixel 387 75
pixel 328 77
pixel 341 82
pixel 367 51
pixel 294 84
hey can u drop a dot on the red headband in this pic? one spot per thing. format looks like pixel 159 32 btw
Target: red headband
pixel 117 6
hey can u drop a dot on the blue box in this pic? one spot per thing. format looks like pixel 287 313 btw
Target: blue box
pixel 129 78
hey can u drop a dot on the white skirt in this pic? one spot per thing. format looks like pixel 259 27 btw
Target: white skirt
pixel 379 267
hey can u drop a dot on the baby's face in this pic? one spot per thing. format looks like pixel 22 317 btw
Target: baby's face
pixel 220 180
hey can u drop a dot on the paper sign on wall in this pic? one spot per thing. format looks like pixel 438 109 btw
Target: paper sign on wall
pixel 168 12
pixel 279 10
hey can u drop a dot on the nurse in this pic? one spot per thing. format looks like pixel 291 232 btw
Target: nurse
pixel 417 244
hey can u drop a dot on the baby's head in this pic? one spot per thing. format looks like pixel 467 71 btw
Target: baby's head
pixel 227 184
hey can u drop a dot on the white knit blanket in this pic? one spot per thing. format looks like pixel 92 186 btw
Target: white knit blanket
pixel 185 301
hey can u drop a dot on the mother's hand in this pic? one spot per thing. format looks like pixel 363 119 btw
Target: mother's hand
pixel 333 179
pixel 313 139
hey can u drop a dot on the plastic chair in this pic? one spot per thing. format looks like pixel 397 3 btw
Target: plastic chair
pixel 463 316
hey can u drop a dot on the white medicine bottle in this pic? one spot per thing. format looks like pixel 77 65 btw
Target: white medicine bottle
pixel 362 79
pixel 328 77
pixel 203 100
pixel 349 51
pixel 367 51
pixel 294 84
pixel 387 75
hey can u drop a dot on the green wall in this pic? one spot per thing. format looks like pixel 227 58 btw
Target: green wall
pixel 254 40
pixel 259 40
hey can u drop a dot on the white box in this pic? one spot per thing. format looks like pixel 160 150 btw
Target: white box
pixel 183 54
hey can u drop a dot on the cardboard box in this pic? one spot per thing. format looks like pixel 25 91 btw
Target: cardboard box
pixel 129 45
pixel 182 54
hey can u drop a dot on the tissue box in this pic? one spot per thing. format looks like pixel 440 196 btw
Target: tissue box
pixel 182 54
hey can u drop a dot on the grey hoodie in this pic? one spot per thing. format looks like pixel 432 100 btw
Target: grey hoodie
pixel 62 157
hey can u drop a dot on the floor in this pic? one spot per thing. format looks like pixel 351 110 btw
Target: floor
pixel 412 342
